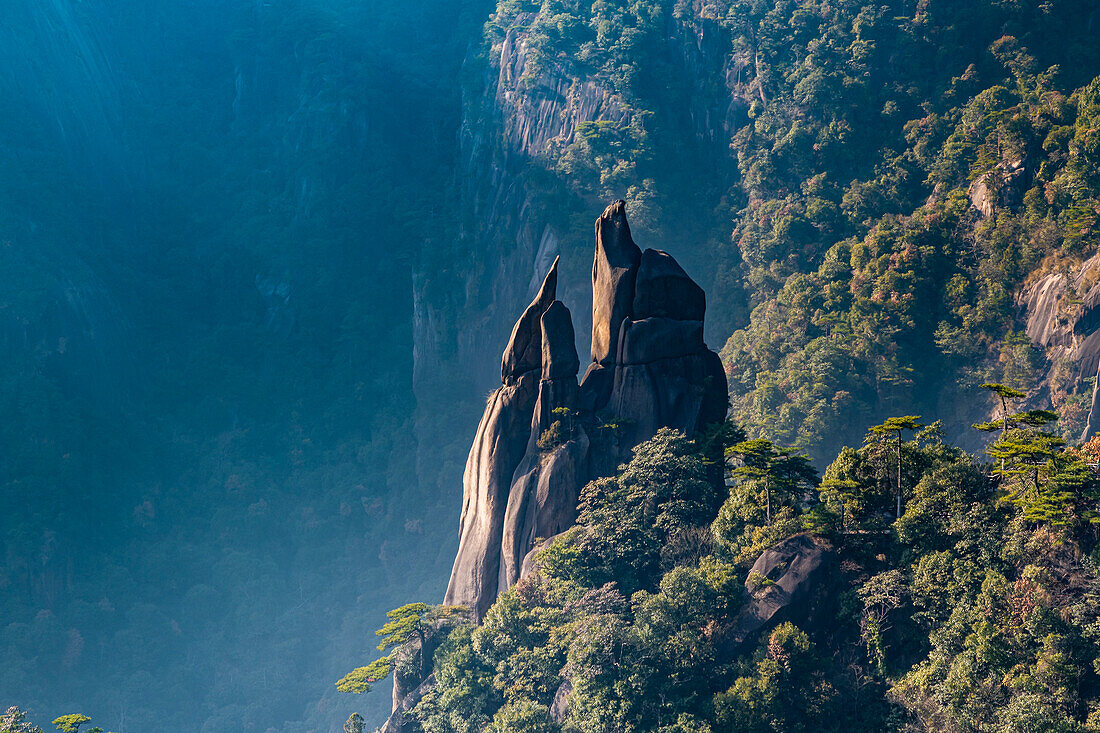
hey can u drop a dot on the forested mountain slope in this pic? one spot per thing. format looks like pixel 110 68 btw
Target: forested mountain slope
pixel 828 168
pixel 262 258
pixel 796 606
pixel 895 204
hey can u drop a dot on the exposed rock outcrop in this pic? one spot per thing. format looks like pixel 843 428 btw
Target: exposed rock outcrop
pixel 559 708
pixel 524 351
pixel 543 497
pixel 664 290
pixel 783 586
pixel 1061 310
pixel 537 443
pixel 559 343
pixel 614 270
pixel 396 722
pixel 522 109
pixel 1003 186
pixel 542 107
pixel 499 447
pixel 662 373
pixel 408 675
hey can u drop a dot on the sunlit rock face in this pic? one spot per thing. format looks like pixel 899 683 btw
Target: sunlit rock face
pixel 543 435
pixel 520 111
pixel 1061 312
pixel 660 372
pixel 614 271
pixel 500 445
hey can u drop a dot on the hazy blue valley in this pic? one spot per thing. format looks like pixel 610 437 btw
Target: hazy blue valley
pixel 261 261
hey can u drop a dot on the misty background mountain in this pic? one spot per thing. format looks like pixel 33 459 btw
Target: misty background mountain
pixel 209 219
pixel 261 259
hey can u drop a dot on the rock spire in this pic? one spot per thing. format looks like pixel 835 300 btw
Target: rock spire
pixel 538 444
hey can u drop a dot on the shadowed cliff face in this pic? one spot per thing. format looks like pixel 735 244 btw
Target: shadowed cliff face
pixel 522 109
pixel 543 435
pixel 541 109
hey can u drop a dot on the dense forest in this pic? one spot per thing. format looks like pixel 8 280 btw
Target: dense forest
pixel 899 178
pixel 865 188
pixel 975 609
pixel 261 260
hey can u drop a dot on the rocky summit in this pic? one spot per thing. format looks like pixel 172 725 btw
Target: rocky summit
pixel 544 435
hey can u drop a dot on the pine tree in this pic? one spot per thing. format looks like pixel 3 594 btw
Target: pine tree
pixel 70 723
pixel 779 470
pixel 894 427
pixel 407 624
pixel 1005 394
pixel 354 724
pixel 1047 483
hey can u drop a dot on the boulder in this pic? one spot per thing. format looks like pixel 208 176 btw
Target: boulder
pixel 559 708
pixel 664 290
pixel 529 564
pixel 1005 185
pixel 783 585
pixel 654 338
pixel 596 386
pixel 614 270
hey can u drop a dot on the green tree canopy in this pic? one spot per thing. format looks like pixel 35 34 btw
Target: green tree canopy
pixel 779 471
pixel 1046 483
pixel 407 624
pixel 70 723
pixel 354 724
pixel 628 524
pixel 894 427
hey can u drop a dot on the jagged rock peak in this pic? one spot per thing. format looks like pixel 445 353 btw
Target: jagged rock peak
pixel 614 270
pixel 613 229
pixel 559 343
pixel 664 290
pixel 524 351
pixel 652 370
